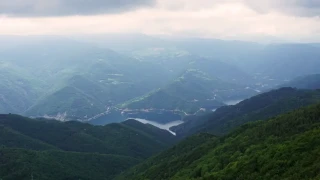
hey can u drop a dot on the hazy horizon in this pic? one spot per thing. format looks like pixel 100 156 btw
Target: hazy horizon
pixel 247 20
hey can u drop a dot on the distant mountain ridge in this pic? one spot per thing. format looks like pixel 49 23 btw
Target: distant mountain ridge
pixel 83 78
pixel 189 93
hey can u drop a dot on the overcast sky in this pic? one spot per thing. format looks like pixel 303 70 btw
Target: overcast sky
pixel 294 20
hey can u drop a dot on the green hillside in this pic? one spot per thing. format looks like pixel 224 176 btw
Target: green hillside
pixel 14 139
pixel 60 165
pixel 284 147
pixel 260 107
pixel 48 149
pixel 118 139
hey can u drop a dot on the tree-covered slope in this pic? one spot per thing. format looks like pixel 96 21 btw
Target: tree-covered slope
pixel 117 139
pixel 284 147
pixel 259 107
pixel 25 164
pixel 193 90
pixel 14 139
pixel 50 150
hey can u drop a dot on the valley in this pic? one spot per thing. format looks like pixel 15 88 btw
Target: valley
pixel 78 88
pixel 162 109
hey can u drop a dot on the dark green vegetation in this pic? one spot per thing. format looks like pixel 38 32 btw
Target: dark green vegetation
pixel 284 147
pixel 260 107
pixel 47 149
pixel 192 91
pixel 50 165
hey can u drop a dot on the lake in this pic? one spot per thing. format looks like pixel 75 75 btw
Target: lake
pixel 165 126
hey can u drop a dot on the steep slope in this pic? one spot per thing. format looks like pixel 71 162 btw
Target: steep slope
pixel 189 93
pixel 285 147
pixel 260 107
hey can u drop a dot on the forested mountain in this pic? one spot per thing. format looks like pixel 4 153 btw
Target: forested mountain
pixel 37 142
pixel 189 93
pixel 60 165
pixel 73 149
pixel 284 147
pixel 63 78
pixel 161 81
pixel 72 78
pixel 260 107
pixel 53 74
pixel 80 137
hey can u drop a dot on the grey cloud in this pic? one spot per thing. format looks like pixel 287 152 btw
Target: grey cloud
pixel 293 7
pixel 31 8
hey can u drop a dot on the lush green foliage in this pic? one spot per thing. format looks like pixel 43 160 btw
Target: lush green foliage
pixel 48 149
pixel 260 107
pixel 118 139
pixel 14 139
pixel 167 163
pixel 60 165
pixel 285 147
